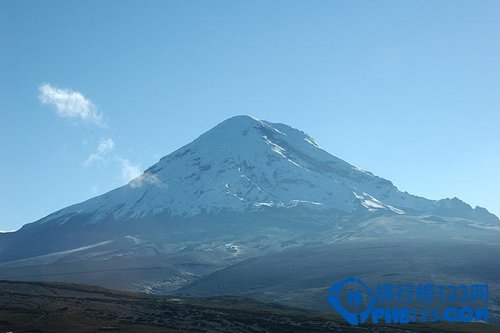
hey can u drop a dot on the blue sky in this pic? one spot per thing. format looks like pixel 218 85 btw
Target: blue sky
pixel 93 91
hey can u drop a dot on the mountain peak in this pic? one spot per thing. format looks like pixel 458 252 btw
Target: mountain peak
pixel 245 164
pixel 241 120
pixel 239 127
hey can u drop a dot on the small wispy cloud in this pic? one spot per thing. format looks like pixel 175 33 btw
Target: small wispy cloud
pixel 132 174
pixel 147 178
pixel 129 170
pixel 74 105
pixel 70 104
pixel 104 147
pixel 94 190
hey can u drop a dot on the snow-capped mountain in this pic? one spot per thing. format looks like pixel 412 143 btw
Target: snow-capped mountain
pixel 247 188
pixel 244 165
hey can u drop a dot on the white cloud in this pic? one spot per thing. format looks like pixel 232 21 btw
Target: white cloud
pixel 147 178
pixel 105 146
pixel 73 105
pixel 135 177
pixel 103 149
pixel 129 171
pixel 94 190
pixel 70 104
